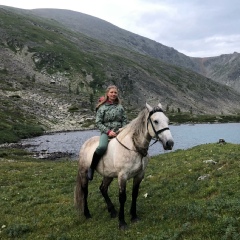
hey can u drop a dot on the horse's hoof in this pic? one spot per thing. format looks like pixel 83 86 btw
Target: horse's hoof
pixel 88 216
pixel 113 214
pixel 123 226
pixel 134 220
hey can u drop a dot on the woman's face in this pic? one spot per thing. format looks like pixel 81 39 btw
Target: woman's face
pixel 112 94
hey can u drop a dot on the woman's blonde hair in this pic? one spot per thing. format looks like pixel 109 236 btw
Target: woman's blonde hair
pixel 105 98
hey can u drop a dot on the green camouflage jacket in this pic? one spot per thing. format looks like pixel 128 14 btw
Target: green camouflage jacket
pixel 110 117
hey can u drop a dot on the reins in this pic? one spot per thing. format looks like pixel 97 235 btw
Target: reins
pixel 144 151
pixel 125 146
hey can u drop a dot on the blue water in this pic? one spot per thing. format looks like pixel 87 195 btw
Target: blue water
pixel 185 136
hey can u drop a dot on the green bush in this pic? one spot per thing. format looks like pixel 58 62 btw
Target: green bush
pixel 17 230
pixel 8 136
pixel 19 131
pixel 27 130
pixel 73 108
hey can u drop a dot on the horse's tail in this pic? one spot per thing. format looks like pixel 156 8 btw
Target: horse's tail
pixel 78 193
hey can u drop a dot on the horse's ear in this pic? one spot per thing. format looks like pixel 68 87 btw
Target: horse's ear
pixel 149 107
pixel 160 105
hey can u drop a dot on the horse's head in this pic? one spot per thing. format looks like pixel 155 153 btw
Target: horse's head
pixel 157 125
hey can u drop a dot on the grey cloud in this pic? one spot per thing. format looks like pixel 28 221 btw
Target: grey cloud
pixel 196 27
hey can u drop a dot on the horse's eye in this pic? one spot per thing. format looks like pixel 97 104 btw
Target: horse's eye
pixel 155 121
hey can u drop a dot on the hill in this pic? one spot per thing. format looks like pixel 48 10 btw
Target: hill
pixel 223 69
pixel 51 75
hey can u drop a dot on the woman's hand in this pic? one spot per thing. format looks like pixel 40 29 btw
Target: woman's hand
pixel 112 134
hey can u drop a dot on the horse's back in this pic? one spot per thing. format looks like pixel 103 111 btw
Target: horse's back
pixel 89 143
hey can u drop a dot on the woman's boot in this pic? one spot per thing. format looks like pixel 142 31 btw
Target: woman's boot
pixel 95 161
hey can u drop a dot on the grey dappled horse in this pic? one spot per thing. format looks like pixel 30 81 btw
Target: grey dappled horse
pixel 125 158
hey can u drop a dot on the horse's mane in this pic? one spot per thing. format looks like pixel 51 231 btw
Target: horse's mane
pixel 136 128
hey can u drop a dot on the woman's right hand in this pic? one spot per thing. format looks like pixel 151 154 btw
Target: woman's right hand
pixel 112 134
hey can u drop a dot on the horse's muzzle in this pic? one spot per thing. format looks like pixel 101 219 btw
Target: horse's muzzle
pixel 169 145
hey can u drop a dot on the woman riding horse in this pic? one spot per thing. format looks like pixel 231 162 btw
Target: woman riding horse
pixel 110 117
pixel 126 157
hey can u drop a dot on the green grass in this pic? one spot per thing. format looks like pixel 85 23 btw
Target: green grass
pixel 36 198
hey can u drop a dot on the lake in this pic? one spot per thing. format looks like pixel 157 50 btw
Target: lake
pixel 185 136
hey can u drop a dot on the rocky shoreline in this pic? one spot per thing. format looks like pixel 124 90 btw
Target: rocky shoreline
pixel 43 154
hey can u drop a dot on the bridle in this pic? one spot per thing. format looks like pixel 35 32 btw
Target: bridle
pixel 144 151
pixel 156 137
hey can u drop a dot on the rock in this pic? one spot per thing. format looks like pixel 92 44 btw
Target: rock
pixel 203 177
pixel 221 141
pixel 51 156
pixel 210 161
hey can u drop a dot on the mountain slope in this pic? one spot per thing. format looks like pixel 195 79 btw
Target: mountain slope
pixel 221 69
pixel 224 69
pixel 56 74
pixel 108 33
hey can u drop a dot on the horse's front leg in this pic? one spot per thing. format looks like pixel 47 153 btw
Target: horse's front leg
pixel 136 183
pixel 122 199
pixel 104 190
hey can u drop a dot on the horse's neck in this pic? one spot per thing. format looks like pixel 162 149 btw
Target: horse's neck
pixel 136 136
pixel 136 142
pixel 141 140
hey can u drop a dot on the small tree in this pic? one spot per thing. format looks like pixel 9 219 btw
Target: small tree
pixel 91 101
pixel 167 108
pixel 69 88
pixel 191 111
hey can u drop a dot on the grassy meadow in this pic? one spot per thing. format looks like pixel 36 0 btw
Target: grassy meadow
pixel 183 196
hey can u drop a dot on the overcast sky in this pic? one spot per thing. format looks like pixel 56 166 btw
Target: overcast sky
pixel 197 28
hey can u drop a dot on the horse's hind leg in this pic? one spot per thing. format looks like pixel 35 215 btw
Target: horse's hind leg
pixel 85 192
pixel 136 183
pixel 104 190
pixel 81 194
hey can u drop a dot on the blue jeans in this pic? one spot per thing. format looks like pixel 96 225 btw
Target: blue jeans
pixel 103 144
